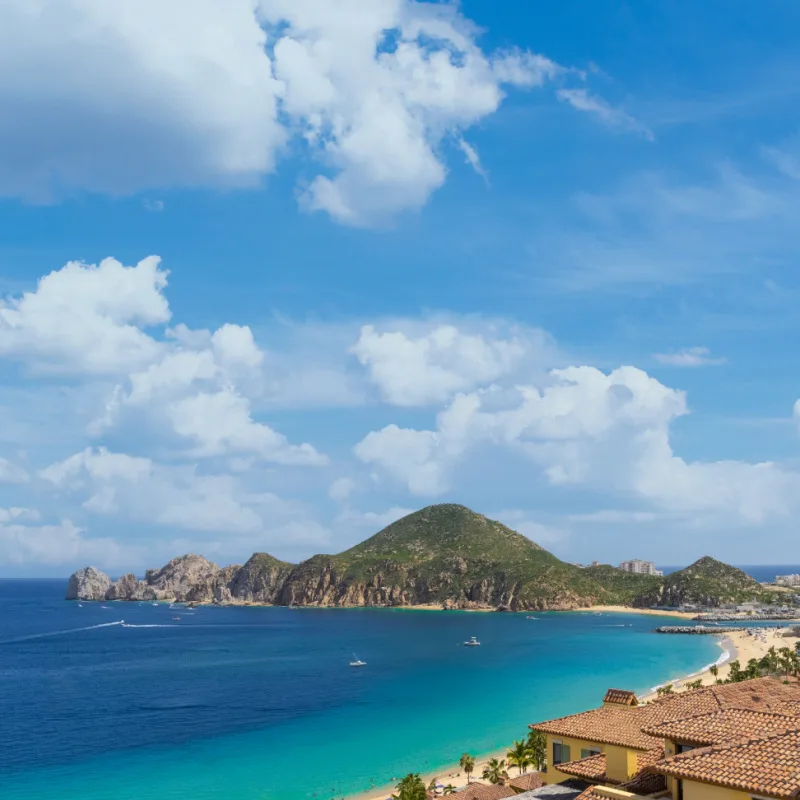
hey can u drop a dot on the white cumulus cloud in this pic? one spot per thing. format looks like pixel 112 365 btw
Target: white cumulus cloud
pixel 689 357
pixel 136 95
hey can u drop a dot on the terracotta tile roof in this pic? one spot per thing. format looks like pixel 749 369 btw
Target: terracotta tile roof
pixel 524 783
pixel 730 724
pixel 621 697
pixel 645 783
pixel 768 765
pixel 592 768
pixel 591 794
pixel 483 791
pixel 619 725
pixel 760 694
pixel 632 726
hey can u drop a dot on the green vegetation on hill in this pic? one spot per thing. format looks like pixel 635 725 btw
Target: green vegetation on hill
pixel 707 582
pixel 444 555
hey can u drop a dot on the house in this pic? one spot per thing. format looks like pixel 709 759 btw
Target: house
pixel 603 745
pixel 736 741
pixel 765 765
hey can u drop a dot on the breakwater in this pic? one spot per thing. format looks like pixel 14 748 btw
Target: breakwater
pixel 696 629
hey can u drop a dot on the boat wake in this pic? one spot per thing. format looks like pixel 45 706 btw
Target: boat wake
pixel 129 625
pixel 61 633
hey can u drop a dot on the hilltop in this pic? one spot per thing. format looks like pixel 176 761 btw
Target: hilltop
pixel 707 582
pixel 444 555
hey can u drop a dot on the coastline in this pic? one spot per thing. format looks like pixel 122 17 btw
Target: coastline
pixel 739 645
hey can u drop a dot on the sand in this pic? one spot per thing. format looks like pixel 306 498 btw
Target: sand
pixel 739 645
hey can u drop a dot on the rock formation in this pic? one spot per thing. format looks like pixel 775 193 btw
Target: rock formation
pixel 88 584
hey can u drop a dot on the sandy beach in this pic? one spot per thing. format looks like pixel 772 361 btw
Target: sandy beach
pixel 739 645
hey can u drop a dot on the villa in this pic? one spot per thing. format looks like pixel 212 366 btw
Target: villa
pixel 735 741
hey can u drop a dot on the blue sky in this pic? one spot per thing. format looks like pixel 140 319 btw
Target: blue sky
pixel 536 258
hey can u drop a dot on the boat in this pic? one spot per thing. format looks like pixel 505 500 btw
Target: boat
pixel 176 619
pixel 530 617
pixel 155 604
pixel 356 662
pixel 473 642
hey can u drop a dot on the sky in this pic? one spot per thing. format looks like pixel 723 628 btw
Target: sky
pixel 274 273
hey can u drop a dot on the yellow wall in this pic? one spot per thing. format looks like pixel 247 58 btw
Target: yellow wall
pixel 621 762
pixel 705 791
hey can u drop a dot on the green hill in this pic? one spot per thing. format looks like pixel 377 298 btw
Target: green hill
pixel 447 555
pixel 707 582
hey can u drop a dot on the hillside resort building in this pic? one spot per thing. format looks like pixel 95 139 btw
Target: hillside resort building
pixel 640 567
pixel 738 741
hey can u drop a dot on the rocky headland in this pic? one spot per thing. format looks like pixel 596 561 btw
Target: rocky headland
pixel 443 555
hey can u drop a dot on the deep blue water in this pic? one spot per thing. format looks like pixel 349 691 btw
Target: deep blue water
pixel 233 703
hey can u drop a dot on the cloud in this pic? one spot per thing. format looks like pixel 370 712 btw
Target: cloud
pixel 220 424
pixel 134 96
pixel 87 319
pixel 61 544
pixel 585 428
pixel 138 489
pixel 521 522
pixel 341 489
pixel 472 158
pixel 10 473
pixel 98 465
pixel 582 100
pixel 689 357
pixel 423 368
pixel 371 520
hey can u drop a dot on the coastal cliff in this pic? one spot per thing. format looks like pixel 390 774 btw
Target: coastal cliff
pixel 444 555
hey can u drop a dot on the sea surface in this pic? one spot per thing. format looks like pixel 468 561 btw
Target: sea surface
pixel 260 703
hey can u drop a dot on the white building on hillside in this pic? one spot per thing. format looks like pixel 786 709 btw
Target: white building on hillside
pixel 640 567
pixel 787 580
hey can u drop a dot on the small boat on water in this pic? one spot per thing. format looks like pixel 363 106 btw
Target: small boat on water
pixel 530 617
pixel 357 662
pixel 155 604
pixel 473 642
pixel 177 619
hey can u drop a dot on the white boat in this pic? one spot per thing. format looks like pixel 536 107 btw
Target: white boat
pixel 356 662
pixel 155 604
pixel 473 642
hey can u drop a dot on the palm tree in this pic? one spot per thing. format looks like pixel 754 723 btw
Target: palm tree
pixel 449 789
pixel 519 756
pixel 714 670
pixel 411 788
pixel 537 748
pixel 467 763
pixel 495 771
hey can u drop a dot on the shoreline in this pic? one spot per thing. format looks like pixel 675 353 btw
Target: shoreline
pixel 739 645
pixel 602 609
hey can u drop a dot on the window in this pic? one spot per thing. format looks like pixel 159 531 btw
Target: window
pixel 685 748
pixel 560 753
pixel 591 751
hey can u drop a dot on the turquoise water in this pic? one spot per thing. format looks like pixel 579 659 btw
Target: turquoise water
pixel 236 703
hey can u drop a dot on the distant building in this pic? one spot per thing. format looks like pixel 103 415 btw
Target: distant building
pixel 640 567
pixel 787 580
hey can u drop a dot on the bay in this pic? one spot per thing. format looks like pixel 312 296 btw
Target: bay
pixel 260 703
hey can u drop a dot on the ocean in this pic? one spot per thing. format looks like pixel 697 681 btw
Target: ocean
pixel 260 703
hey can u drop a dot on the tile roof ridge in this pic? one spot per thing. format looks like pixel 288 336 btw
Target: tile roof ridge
pixel 712 749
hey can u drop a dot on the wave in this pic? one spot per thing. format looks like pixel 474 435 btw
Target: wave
pixel 62 633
